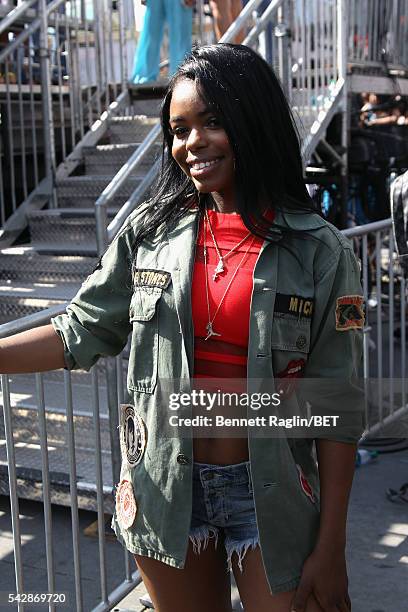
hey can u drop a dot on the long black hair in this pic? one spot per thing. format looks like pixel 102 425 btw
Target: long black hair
pixel 247 98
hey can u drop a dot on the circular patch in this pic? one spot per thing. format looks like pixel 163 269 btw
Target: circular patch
pixel 125 504
pixel 133 435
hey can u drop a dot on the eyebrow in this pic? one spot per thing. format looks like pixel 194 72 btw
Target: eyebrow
pixel 206 111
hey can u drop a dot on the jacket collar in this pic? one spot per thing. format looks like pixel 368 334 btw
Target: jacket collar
pixel 287 218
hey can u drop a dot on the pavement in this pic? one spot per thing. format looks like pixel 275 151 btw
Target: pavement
pixel 377 550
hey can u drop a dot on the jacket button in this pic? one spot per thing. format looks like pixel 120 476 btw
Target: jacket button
pixel 183 459
pixel 301 342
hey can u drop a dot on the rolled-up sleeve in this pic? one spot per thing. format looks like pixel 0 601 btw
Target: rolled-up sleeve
pixel 96 322
pixel 332 372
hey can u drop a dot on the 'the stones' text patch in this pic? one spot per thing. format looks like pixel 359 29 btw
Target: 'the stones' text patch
pixel 349 312
pixel 297 305
pixel 151 278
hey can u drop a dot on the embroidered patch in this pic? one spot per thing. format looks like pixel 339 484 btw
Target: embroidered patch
pixel 287 377
pixel 132 435
pixel 349 312
pixel 151 278
pixel 125 504
pixel 296 305
pixel 304 483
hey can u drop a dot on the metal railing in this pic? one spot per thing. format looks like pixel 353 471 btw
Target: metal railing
pixel 378 32
pixel 385 296
pixel 59 74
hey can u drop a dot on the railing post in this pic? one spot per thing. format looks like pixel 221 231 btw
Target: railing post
pixel 48 126
pixel 98 52
pixel 122 47
pixel 200 21
pixel 283 33
pixel 342 59
pixel 111 371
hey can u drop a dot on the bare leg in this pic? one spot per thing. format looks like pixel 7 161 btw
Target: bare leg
pixel 254 589
pixel 236 8
pixel 221 11
pixel 202 585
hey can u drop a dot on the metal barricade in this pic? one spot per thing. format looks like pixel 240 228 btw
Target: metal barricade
pixel 378 32
pixel 385 295
pixel 80 445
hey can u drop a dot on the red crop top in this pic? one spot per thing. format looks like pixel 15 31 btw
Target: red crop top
pixel 224 355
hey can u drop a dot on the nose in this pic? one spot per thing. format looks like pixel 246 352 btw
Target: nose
pixel 196 139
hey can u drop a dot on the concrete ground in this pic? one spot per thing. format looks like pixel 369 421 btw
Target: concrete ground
pixel 377 547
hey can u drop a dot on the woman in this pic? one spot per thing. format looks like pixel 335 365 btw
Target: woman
pixel 227 271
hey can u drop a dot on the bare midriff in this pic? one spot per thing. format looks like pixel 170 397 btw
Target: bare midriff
pixel 220 451
pixel 224 300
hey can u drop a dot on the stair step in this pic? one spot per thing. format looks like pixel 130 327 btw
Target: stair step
pixel 25 264
pixel 27 449
pixel 42 291
pixel 83 191
pixel 68 228
pixel 123 130
pixel 23 399
pixel 14 307
pixel 108 159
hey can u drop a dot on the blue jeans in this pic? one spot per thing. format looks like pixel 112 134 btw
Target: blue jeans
pixel 223 500
pixel 180 22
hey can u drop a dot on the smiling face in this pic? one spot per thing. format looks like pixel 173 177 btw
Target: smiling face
pixel 200 144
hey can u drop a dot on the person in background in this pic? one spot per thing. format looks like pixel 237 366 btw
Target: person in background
pixel 224 13
pixel 179 16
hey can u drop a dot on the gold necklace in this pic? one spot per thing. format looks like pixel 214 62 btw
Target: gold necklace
pixel 209 326
pixel 220 268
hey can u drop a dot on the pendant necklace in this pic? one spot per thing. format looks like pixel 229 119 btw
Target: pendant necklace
pixel 209 326
pixel 220 268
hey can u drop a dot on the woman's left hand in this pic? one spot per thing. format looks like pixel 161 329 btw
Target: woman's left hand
pixel 188 3
pixel 324 575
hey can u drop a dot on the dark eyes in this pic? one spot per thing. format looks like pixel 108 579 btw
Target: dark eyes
pixel 181 131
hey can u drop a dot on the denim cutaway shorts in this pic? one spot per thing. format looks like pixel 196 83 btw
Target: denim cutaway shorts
pixel 223 500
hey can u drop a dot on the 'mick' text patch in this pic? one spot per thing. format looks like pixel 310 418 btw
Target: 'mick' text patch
pixel 296 305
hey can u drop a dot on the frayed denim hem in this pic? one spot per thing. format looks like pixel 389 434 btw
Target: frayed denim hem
pixel 201 536
pixel 241 549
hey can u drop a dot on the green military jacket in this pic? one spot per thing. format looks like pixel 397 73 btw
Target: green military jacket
pixel 315 262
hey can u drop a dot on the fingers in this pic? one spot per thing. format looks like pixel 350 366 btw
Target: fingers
pixel 299 602
pixel 344 606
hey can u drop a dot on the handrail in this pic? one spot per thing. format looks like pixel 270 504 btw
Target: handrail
pixel 262 22
pixel 362 230
pixel 43 317
pixel 15 14
pixel 33 320
pixel 110 190
pixel 115 225
pixel 240 21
